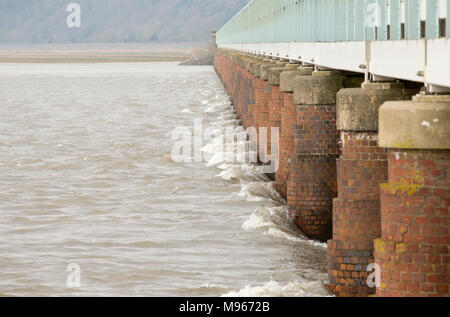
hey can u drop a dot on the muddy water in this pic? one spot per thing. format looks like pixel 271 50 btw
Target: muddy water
pixel 87 177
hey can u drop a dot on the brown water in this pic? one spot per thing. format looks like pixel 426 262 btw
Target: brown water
pixel 86 177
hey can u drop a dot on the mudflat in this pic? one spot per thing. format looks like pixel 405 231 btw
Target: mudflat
pixel 98 53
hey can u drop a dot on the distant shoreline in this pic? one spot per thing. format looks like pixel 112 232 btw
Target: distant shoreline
pixel 99 53
pixel 88 59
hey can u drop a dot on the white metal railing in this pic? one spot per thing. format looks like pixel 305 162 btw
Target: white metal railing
pixel 401 39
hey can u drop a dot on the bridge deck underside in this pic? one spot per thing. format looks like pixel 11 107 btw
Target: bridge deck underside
pixel 426 61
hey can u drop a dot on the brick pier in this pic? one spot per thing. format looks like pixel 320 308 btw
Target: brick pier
pixel 363 165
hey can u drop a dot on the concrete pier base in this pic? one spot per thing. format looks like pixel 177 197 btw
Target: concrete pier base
pixel 412 253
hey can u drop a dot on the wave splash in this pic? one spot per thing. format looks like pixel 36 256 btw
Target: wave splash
pixel 255 185
pixel 275 289
pixel 273 218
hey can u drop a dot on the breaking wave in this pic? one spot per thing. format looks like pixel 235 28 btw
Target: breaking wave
pixel 275 222
pixel 255 185
pixel 275 289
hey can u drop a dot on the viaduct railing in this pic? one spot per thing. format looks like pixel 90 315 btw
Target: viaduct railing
pixel 386 39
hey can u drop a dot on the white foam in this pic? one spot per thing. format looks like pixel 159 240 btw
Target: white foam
pixel 187 110
pixel 219 107
pixel 232 173
pixel 260 218
pixel 210 110
pixel 224 166
pixel 276 223
pixel 275 289
pixel 277 233
pixel 211 286
pixel 216 159
pixel 227 116
pixel 214 146
pixel 255 185
pixel 261 191
pixel 245 172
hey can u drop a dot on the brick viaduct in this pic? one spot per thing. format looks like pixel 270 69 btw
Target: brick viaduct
pixel 363 166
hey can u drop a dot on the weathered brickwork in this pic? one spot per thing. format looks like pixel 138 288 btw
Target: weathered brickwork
pixel 388 207
pixel 413 249
pixel 260 101
pixel 312 182
pixel 347 267
pixel 238 84
pixel 276 99
pixel 265 113
pixel 315 132
pixel 251 101
pixel 361 169
pixel 288 122
pixel 224 68
pixel 257 102
pixel 311 188
pixel 356 216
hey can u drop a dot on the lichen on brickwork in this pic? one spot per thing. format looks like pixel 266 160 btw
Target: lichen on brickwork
pixel 407 224
pixel 400 247
pixel 407 186
pixel 380 245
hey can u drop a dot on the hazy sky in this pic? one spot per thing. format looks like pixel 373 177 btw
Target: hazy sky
pixel 45 21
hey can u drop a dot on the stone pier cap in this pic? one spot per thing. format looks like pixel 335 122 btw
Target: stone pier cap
pixel 275 73
pixel 287 77
pixel 318 89
pixel 357 108
pixel 423 123
pixel 265 68
pixel 255 68
pixel 247 63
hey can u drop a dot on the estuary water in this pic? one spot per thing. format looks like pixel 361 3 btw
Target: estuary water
pixel 87 178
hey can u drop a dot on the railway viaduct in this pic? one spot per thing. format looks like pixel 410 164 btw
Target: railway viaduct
pixel 360 90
